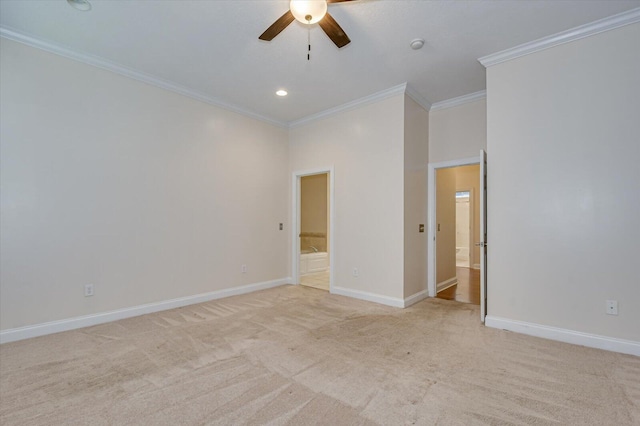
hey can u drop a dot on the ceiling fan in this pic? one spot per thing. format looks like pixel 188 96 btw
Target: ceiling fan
pixel 309 12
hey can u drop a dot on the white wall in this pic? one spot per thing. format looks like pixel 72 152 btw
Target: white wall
pixel 144 193
pixel 416 147
pixel 366 147
pixel 458 132
pixel 564 185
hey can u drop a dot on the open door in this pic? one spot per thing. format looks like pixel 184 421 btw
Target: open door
pixel 483 235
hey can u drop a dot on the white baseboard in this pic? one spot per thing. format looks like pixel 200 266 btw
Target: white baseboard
pixel 14 334
pixel 446 284
pixel 476 266
pixel 411 300
pixel 383 300
pixel 565 335
pixel 369 297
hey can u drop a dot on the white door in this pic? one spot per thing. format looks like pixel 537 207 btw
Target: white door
pixel 483 235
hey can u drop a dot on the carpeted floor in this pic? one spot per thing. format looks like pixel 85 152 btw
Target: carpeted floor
pixel 300 356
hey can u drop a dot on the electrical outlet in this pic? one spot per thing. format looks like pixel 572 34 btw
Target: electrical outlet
pixel 356 272
pixel 281 226
pixel 88 290
pixel 243 269
pixel 612 307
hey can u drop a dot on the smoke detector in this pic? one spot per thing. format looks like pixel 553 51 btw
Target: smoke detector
pixel 82 5
pixel 417 44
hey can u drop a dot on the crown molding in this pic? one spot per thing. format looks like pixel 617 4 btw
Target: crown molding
pixel 460 100
pixel 420 100
pixel 378 96
pixel 625 18
pixel 98 62
pixel 105 64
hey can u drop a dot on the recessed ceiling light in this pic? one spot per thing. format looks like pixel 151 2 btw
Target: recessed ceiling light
pixel 417 44
pixel 281 92
pixel 82 5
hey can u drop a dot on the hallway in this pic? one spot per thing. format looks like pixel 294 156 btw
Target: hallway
pixel 468 288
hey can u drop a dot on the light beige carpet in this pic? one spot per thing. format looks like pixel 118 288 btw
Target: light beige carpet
pixel 299 356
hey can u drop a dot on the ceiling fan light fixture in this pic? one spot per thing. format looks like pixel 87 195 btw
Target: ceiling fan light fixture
pixel 82 5
pixel 308 11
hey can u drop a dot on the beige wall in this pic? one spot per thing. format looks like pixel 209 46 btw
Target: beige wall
pixel 313 197
pixel 365 146
pixel 564 185
pixel 445 224
pixel 458 132
pixel 314 211
pixel 146 194
pixel 468 178
pixel 416 145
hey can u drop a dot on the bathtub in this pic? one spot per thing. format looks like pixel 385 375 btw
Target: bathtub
pixel 311 262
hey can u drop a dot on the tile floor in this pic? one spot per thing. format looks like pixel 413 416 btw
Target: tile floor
pixel 319 280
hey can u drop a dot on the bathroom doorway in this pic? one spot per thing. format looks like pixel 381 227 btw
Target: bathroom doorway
pixel 312 240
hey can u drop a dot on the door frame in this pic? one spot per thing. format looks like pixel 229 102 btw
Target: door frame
pixel 296 221
pixel 431 214
pixel 483 235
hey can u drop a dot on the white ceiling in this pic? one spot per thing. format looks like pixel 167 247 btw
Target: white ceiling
pixel 211 47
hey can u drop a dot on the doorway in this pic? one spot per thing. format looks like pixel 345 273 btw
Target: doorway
pixel 456 261
pixel 312 262
pixel 464 226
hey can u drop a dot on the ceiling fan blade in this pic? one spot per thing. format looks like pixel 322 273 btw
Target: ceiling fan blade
pixel 277 27
pixel 334 31
pixel 338 1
